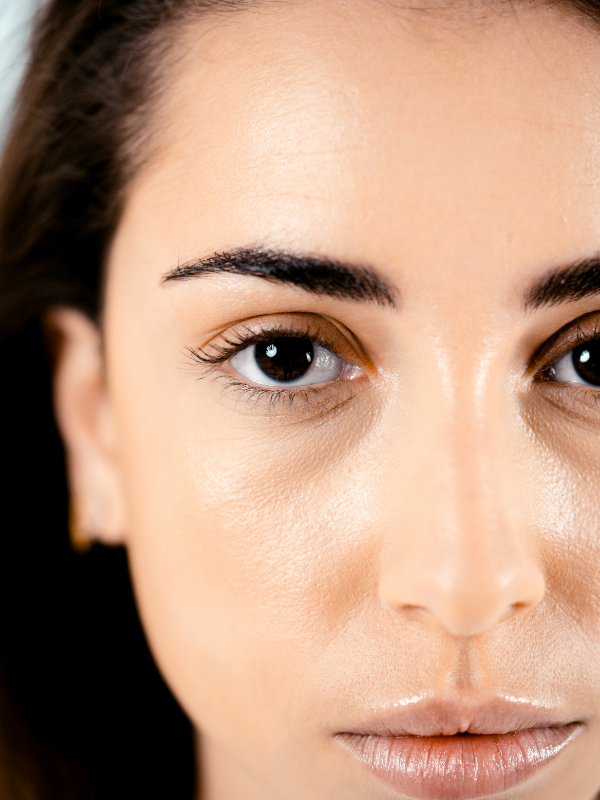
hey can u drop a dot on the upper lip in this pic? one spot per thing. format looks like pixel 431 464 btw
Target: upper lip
pixel 447 717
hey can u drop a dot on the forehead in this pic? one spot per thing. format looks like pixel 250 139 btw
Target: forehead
pixel 374 133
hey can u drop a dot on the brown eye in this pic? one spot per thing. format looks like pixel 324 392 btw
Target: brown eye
pixel 285 359
pixel 580 366
pixel 291 361
pixel 586 360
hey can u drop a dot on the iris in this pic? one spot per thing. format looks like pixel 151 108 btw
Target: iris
pixel 285 359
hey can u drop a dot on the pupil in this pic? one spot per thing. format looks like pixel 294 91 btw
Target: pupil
pixel 586 360
pixel 286 359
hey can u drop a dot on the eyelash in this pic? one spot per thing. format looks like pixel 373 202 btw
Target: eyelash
pixel 246 338
pixel 585 338
pixel 550 354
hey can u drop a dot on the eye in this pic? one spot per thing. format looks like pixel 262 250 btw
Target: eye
pixel 290 361
pixel 581 365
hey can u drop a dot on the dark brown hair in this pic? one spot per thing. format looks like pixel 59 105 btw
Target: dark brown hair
pixel 83 710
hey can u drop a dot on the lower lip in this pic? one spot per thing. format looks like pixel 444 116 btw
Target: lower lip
pixel 458 767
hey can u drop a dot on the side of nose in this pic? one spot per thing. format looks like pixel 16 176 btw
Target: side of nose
pixel 456 549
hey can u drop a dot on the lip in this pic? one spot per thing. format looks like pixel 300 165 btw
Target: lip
pixel 455 750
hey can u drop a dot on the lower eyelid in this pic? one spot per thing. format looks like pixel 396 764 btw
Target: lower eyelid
pixel 322 331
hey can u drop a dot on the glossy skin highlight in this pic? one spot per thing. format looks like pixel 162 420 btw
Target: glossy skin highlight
pixel 427 532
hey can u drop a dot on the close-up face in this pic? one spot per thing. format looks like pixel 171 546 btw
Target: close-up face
pixel 352 393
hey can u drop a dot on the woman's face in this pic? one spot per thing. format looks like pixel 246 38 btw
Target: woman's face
pixel 357 428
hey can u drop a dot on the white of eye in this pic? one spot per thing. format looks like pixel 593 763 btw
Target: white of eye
pixel 563 369
pixel 325 367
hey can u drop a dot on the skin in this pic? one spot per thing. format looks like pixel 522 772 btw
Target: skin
pixel 430 528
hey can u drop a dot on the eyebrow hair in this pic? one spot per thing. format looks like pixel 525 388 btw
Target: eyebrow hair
pixel 321 276
pixel 565 284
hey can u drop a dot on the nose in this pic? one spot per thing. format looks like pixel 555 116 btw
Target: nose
pixel 456 549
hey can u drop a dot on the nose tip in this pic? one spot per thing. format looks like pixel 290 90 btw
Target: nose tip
pixel 466 602
pixel 477 605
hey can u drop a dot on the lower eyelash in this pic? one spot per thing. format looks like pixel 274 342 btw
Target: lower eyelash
pixel 273 397
pixel 211 364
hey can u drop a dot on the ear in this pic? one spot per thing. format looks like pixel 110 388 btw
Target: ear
pixel 85 420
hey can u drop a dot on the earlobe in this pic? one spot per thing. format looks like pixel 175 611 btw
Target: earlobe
pixel 84 417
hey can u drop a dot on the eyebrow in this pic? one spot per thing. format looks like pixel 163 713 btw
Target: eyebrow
pixel 320 276
pixel 565 284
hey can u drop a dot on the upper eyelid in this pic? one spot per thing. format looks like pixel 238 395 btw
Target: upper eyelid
pixel 311 326
pixel 257 338
pixel 567 338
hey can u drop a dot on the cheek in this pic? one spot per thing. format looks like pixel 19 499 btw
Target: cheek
pixel 560 478
pixel 568 520
pixel 563 505
pixel 249 548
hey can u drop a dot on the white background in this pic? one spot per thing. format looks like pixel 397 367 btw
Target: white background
pixel 15 16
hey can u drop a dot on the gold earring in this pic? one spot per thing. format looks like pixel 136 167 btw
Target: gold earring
pixel 78 535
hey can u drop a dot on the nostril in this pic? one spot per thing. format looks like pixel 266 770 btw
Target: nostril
pixel 516 608
pixel 412 612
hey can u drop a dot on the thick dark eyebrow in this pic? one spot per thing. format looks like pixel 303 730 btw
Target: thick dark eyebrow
pixel 565 284
pixel 321 276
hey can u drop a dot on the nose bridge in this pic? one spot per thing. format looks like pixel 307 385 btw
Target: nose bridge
pixel 474 514
pixel 470 521
pixel 456 549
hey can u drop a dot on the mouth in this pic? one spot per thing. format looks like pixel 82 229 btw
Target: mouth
pixel 450 751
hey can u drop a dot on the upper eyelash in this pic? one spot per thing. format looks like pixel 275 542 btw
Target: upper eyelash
pixel 224 353
pixel 583 338
pixel 550 351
